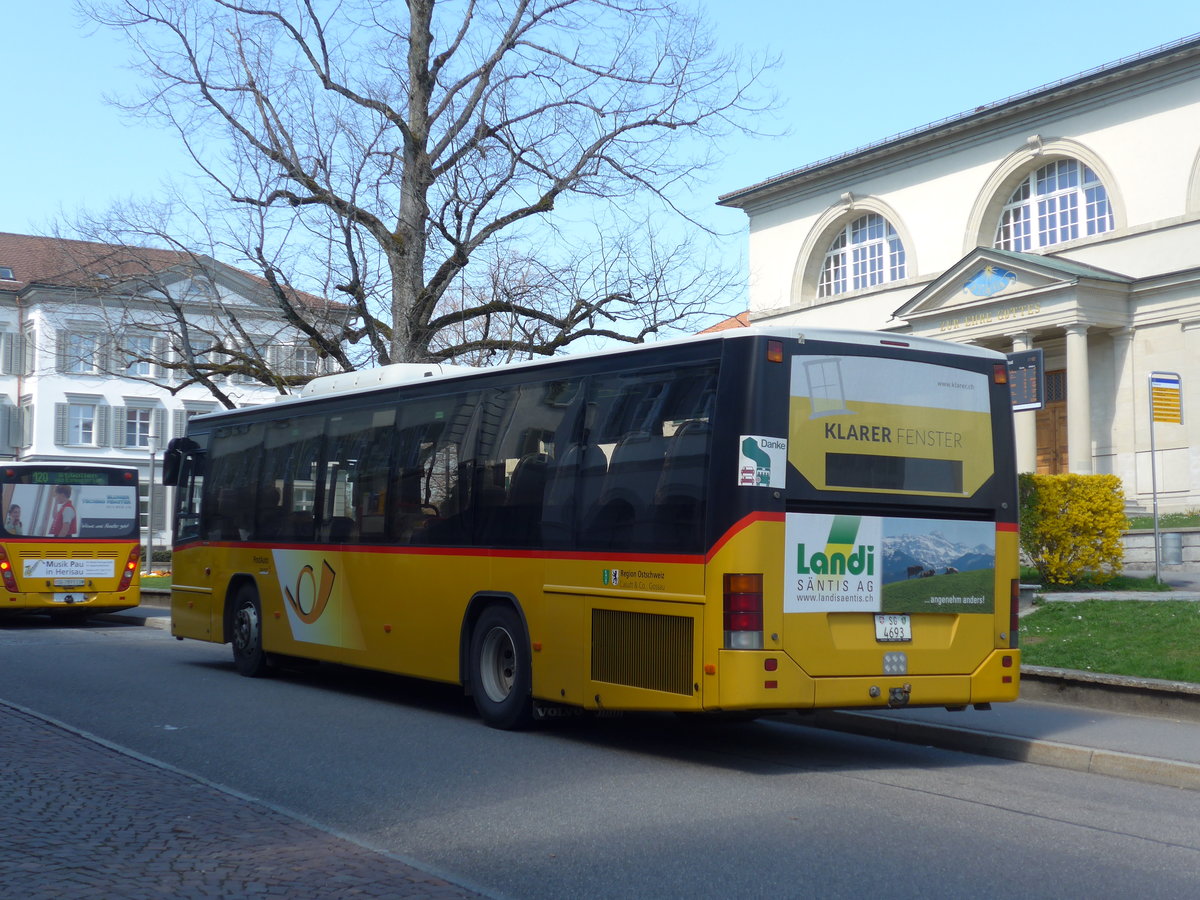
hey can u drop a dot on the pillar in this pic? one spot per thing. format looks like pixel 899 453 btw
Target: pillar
pixel 1079 401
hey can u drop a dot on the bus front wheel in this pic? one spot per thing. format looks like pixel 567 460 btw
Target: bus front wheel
pixel 248 655
pixel 501 681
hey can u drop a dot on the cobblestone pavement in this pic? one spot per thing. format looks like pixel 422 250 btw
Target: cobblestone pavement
pixel 79 819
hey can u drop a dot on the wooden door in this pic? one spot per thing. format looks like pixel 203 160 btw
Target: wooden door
pixel 1052 426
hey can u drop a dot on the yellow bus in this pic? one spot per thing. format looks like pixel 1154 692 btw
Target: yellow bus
pixel 70 542
pixel 749 521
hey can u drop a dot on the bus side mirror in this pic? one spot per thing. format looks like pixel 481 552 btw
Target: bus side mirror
pixel 173 459
pixel 171 464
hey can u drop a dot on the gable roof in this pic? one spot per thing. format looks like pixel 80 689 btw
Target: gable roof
pixel 741 320
pixel 1000 285
pixel 59 262
pixel 66 263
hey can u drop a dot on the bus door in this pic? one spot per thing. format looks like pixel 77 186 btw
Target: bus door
pixel 191 581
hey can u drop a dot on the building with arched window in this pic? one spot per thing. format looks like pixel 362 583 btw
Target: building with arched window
pixel 1065 219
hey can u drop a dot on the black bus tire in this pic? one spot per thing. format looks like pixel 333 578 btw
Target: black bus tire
pixel 500 669
pixel 246 637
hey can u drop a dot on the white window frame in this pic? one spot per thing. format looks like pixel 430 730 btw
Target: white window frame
pixel 866 253
pixel 139 345
pixel 83 423
pixel 80 352
pixel 1059 202
pixel 138 424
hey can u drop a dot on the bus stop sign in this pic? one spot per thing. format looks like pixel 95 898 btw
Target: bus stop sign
pixel 1166 397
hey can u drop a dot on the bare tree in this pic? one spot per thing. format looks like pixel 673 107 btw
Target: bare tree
pixel 172 316
pixel 379 148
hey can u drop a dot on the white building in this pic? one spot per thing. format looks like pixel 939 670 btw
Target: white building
pixel 1066 218
pixel 94 342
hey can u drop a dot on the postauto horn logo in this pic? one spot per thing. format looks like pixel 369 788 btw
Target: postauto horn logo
pixel 841 555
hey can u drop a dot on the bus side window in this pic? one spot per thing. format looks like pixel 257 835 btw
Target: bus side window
pixel 354 484
pixel 232 470
pixel 291 452
pixel 517 434
pixel 435 457
pixel 653 429
pixel 679 496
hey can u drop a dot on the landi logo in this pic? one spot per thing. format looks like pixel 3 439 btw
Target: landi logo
pixel 841 555
pixel 612 577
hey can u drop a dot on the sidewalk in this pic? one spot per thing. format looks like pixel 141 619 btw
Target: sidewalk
pixel 1150 749
pixel 85 820
pixel 1135 728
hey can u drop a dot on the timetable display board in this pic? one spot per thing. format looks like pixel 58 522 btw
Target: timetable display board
pixel 1026 379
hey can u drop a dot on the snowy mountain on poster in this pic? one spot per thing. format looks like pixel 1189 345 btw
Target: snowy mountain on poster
pixel 902 554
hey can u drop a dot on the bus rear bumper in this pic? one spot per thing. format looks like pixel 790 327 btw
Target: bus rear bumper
pixel 770 680
pixel 96 601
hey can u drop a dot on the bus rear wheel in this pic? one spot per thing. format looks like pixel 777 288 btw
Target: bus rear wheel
pixel 501 680
pixel 248 655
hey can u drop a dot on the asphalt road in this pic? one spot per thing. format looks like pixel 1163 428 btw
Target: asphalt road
pixel 639 805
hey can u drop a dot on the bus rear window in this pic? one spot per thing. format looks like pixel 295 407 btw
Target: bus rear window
pixel 901 426
pixel 69 504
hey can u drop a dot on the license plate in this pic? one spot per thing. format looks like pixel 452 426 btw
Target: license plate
pixel 893 628
pixel 69 582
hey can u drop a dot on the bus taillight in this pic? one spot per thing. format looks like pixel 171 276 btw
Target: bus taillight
pixel 10 580
pixel 131 565
pixel 744 612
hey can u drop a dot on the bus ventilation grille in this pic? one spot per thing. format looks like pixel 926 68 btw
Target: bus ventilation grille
pixel 642 650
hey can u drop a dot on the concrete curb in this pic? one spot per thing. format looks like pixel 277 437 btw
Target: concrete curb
pixel 1129 766
pixel 1112 693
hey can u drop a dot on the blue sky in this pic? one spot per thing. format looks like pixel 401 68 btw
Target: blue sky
pixel 852 74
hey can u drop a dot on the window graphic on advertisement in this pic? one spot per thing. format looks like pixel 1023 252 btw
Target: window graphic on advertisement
pixel 825 387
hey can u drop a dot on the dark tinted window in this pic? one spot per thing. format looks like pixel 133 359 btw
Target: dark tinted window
pixel 520 434
pixel 229 498
pixel 355 480
pixel 287 487
pixel 634 480
pixel 431 494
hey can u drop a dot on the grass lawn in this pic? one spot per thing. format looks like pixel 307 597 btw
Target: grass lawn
pixel 1087 583
pixel 1190 519
pixel 1143 638
pixel 156 581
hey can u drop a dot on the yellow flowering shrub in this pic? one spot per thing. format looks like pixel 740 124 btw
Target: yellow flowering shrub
pixel 1071 525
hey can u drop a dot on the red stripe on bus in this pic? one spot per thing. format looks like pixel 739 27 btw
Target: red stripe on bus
pixel 66 542
pixel 746 521
pixel 474 552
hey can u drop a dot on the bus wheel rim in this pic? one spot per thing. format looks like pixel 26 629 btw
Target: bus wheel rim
pixel 497 664
pixel 245 629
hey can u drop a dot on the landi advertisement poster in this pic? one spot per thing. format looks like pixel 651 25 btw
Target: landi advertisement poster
pixel 888 565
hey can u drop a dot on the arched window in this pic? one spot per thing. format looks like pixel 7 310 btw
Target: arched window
pixel 1060 202
pixel 865 253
